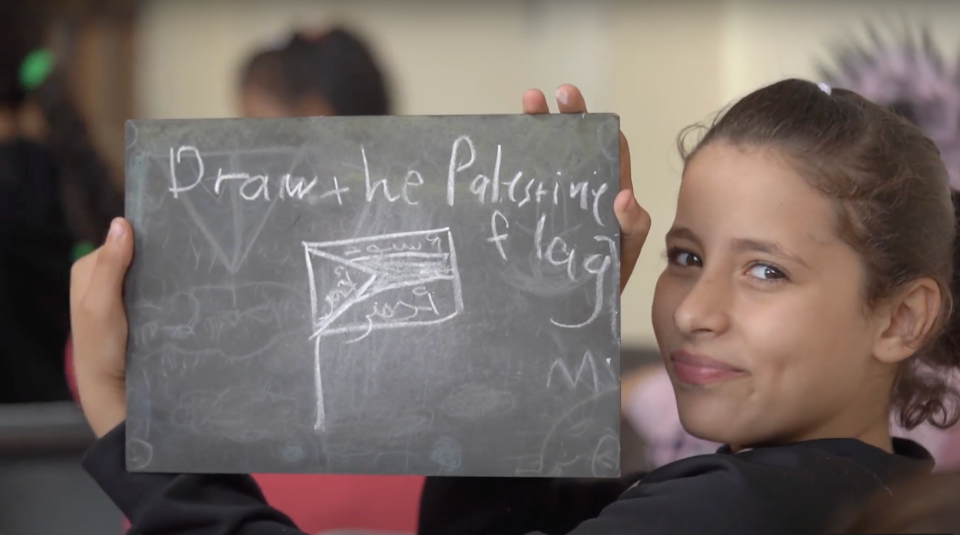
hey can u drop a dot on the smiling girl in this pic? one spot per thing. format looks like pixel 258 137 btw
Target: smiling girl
pixel 807 295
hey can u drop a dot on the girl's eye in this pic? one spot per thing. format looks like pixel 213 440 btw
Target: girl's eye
pixel 766 272
pixel 683 258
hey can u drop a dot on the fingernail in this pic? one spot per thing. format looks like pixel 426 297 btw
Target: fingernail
pixel 562 96
pixel 116 230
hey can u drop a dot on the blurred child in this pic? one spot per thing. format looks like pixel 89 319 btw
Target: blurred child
pixel 330 72
pixel 55 196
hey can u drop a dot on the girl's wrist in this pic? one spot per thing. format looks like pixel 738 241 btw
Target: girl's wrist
pixel 104 406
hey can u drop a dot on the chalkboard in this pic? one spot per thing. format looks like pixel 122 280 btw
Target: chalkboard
pixel 374 295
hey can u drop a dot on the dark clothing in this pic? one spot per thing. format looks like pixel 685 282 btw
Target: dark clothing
pixel 35 246
pixel 793 489
pixel 798 489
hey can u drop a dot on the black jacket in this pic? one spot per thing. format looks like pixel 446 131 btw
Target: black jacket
pixel 795 489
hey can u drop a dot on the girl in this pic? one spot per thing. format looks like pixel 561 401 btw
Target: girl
pixel 806 296
pixel 910 77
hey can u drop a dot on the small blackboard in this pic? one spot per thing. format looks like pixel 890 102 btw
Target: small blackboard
pixel 374 295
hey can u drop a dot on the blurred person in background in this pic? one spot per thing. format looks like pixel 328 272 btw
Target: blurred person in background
pixel 55 197
pixel 329 72
pixel 325 73
pixel 908 76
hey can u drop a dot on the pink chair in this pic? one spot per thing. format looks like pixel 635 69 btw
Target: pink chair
pixel 319 503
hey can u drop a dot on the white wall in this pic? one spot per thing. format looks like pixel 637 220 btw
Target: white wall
pixel 766 41
pixel 660 65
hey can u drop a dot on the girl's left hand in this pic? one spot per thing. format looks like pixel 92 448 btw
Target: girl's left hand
pixel 99 328
pixel 634 220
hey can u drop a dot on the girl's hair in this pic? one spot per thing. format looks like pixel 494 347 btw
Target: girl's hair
pixel 335 65
pixel 88 198
pixel 930 504
pixel 894 207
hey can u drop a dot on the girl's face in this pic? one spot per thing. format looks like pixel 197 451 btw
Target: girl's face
pixel 759 314
pixel 258 102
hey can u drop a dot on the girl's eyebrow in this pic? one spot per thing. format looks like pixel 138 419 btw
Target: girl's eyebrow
pixel 768 247
pixel 683 233
pixel 740 245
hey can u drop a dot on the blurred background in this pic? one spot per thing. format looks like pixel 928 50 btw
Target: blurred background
pixel 660 65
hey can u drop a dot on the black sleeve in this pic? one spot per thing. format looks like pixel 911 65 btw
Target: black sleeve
pixel 170 504
pixel 513 506
pixel 706 496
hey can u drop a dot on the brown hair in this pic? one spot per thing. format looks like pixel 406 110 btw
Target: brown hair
pixel 930 504
pixel 894 208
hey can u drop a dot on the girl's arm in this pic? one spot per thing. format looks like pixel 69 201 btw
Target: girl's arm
pixel 181 503
pixel 221 504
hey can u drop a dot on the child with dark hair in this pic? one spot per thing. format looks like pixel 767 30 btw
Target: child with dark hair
pixel 332 72
pixel 808 295
pixel 54 197
pixel 317 73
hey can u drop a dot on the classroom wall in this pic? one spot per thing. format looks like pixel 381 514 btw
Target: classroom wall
pixel 766 41
pixel 660 65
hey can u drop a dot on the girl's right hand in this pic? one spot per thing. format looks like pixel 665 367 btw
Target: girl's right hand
pixel 634 220
pixel 99 328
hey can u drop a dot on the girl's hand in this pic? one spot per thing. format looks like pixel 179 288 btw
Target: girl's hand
pixel 99 328
pixel 634 220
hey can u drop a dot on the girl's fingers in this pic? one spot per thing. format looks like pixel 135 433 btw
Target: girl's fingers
pixel 534 102
pixel 106 281
pixel 634 227
pixel 570 100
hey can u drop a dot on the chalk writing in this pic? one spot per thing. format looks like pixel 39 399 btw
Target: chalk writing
pixel 518 190
pixel 587 366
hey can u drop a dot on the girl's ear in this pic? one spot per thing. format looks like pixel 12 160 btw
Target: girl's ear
pixel 910 317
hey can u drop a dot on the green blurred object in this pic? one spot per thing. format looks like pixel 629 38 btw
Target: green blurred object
pixel 81 250
pixel 35 69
